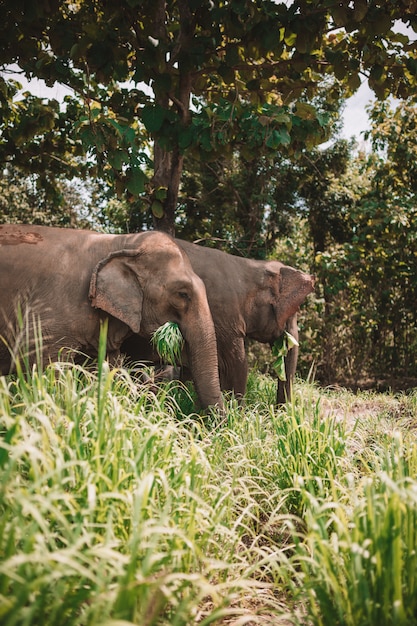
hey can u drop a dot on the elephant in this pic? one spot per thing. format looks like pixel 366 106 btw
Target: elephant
pixel 68 281
pixel 248 299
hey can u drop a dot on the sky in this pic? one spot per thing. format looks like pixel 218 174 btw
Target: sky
pixel 355 117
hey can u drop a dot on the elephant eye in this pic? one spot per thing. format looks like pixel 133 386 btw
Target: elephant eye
pixel 181 291
pixel 180 300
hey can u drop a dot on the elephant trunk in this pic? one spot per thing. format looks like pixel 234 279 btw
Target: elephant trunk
pixel 201 347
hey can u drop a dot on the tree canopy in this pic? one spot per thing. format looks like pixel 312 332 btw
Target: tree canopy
pixel 154 80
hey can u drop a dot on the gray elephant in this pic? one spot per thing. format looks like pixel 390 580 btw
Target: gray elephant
pixel 69 280
pixel 247 298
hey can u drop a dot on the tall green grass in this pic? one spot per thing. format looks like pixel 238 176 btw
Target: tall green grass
pixel 118 506
pixel 358 556
pixel 110 507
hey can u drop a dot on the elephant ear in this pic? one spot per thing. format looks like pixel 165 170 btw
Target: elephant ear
pixel 114 288
pixel 294 288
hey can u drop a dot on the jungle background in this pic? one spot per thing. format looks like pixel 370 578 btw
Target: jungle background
pixel 221 122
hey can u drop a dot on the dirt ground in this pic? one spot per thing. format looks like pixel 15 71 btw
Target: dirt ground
pixel 392 399
pixel 380 385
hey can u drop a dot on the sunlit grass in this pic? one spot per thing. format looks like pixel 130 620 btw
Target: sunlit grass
pixel 357 559
pixel 120 505
pixel 110 507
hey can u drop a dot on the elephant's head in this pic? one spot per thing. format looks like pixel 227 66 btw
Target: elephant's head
pixel 151 284
pixel 282 292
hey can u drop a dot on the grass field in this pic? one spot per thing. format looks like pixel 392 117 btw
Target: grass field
pixel 118 508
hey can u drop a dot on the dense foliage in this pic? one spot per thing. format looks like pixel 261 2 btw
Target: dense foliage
pixel 202 76
pixel 370 280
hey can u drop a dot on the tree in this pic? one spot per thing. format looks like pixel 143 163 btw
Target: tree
pixel 191 75
pixel 236 205
pixel 368 275
pixel 21 200
pixel 36 141
pixel 393 137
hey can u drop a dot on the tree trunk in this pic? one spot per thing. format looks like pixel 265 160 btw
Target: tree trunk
pixel 168 164
pixel 167 173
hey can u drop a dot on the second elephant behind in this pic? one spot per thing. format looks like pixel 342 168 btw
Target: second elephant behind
pixel 247 298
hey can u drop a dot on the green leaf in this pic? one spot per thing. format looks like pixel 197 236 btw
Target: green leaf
pixel 117 127
pixel 411 65
pixel 253 85
pixel 135 181
pixel 354 81
pixel 160 193
pixel 153 118
pixel 157 209
pixel 227 73
pixel 290 38
pixel 280 349
pixel 305 41
pixel 323 119
pixel 377 72
pixel 279 367
pixel 162 82
pixel 305 111
pixel 381 24
pixel 232 54
pixel 340 15
pixel 273 140
pixel 186 137
pixel 117 158
pixel 278 138
pixel 340 69
pixel 291 340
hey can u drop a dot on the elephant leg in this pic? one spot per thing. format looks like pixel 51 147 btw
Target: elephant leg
pixel 284 389
pixel 233 367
